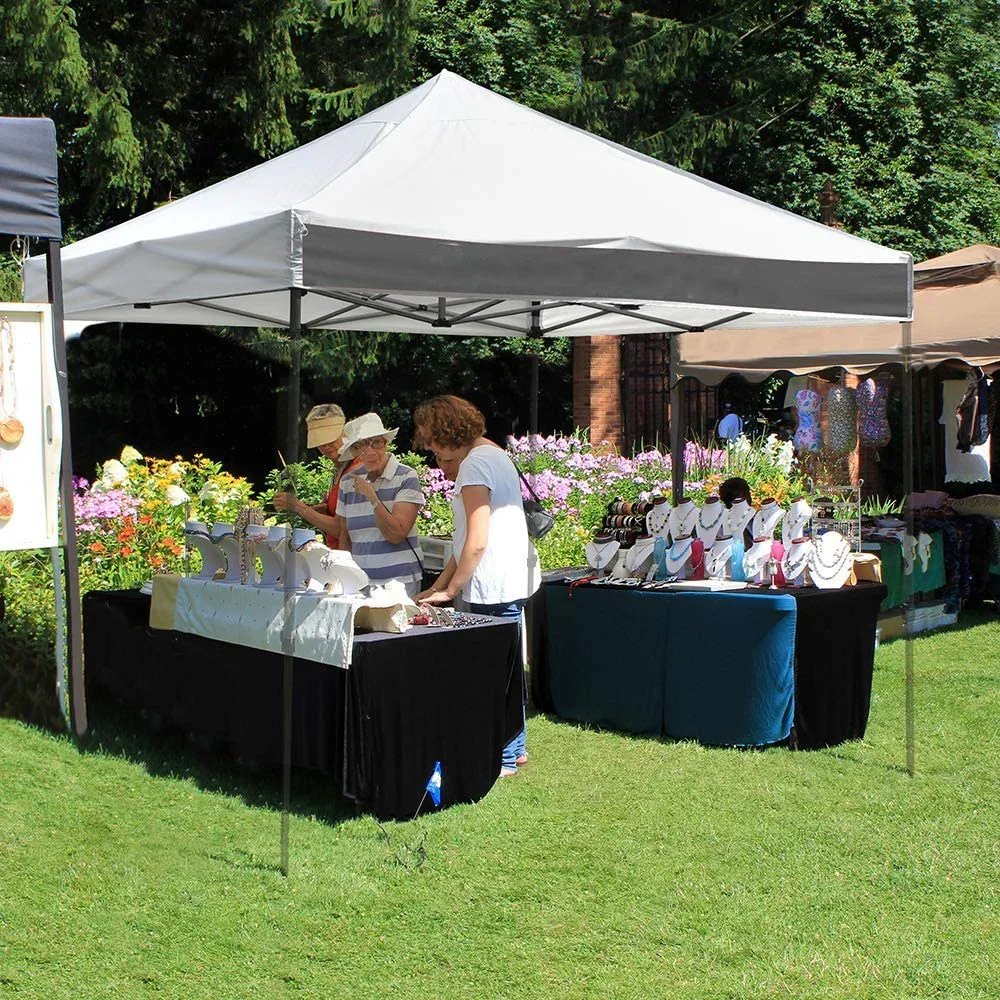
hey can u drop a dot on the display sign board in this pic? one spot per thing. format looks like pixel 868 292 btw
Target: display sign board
pixel 30 428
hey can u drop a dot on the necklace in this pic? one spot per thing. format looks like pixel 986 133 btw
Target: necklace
pixel 717 557
pixel 600 554
pixel 796 559
pixel 679 554
pixel 737 517
pixel 756 556
pixel 718 509
pixel 682 520
pixel 11 429
pixel 830 570
pixel 766 520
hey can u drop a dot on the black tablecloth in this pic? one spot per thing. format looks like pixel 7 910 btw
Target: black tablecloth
pixel 449 695
pixel 833 656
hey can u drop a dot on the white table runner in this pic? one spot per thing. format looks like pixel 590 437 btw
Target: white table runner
pixel 312 626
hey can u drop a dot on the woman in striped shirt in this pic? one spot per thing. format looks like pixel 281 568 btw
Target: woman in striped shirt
pixel 378 509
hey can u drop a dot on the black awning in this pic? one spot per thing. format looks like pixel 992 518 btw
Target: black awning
pixel 29 178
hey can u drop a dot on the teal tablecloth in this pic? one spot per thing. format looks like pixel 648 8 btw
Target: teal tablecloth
pixel 717 668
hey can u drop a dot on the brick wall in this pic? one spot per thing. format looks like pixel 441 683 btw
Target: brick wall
pixel 597 388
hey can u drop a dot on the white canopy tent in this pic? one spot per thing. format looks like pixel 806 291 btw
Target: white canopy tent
pixel 452 209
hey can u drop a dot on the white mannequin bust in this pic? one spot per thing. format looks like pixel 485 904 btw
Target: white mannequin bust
pixel 639 558
pixel 798 554
pixel 717 558
pixel 737 517
pixel 658 517
pixel 795 520
pixel 678 557
pixel 832 561
pixel 601 553
pixel 683 519
pixel 756 558
pixel 766 520
pixel 710 521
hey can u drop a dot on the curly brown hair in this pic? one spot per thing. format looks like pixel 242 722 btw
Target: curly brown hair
pixel 448 421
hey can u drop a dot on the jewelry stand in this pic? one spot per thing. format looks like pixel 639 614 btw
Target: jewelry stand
pixel 736 519
pixel 710 521
pixel 273 563
pixel 756 559
pixel 296 567
pixel 718 559
pixel 831 563
pixel 337 570
pixel 682 520
pixel 601 553
pixel 678 558
pixel 796 521
pixel 798 555
pixel 224 536
pixel 270 567
pixel 212 560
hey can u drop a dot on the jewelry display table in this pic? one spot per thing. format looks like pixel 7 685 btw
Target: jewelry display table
pixel 430 694
pixel 924 580
pixel 748 668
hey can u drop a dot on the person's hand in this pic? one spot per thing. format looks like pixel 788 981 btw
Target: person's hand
pixel 365 488
pixel 434 597
pixel 284 501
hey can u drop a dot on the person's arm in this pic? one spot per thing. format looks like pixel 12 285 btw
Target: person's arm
pixel 394 524
pixel 318 516
pixel 441 582
pixel 476 500
pixel 344 538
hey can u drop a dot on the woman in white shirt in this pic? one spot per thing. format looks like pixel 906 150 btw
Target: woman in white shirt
pixel 496 567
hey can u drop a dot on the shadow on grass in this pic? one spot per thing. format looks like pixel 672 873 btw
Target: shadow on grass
pixel 166 752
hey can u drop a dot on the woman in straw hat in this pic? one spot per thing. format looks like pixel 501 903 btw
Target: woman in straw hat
pixel 325 429
pixel 378 506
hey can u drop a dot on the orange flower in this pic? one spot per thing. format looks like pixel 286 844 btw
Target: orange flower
pixel 98 548
pixel 145 519
pixel 156 561
pixel 127 550
pixel 126 533
pixel 171 546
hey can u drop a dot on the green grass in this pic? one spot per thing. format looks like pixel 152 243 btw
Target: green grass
pixel 612 867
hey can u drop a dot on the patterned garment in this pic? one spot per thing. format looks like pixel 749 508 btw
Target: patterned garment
pixel 807 434
pixel 873 423
pixel 841 420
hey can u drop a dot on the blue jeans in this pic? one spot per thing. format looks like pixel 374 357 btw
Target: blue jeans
pixel 512 611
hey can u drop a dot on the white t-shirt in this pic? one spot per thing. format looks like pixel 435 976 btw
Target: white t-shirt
pixel 960 466
pixel 509 569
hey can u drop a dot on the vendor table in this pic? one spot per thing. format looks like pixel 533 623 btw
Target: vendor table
pixel 452 695
pixel 744 668
pixel 924 580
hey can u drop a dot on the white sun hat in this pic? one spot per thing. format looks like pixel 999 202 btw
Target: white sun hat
pixel 362 428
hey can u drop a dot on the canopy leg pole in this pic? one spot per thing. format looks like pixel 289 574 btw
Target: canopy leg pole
pixel 288 629
pixel 907 344
pixel 74 618
pixel 535 335
pixel 676 429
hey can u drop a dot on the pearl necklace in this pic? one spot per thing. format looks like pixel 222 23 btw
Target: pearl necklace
pixel 826 573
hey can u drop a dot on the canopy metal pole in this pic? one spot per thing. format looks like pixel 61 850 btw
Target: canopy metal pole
pixel 287 632
pixel 74 618
pixel 907 344
pixel 536 334
pixel 676 430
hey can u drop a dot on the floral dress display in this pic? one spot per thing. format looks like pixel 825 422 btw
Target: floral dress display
pixel 841 420
pixel 873 423
pixel 807 434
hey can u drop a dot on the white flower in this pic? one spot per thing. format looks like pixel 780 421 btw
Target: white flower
pixel 176 496
pixel 176 468
pixel 113 473
pixel 130 455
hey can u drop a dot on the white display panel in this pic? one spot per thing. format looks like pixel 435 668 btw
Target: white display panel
pixel 29 468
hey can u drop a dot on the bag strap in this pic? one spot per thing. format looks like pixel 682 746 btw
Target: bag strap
pixel 420 562
pixel 531 489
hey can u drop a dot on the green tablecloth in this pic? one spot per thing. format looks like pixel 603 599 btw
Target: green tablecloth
pixel 923 580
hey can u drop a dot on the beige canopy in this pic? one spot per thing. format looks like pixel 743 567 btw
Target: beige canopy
pixel 956 316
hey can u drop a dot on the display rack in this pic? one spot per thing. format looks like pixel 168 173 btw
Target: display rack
pixel 839 509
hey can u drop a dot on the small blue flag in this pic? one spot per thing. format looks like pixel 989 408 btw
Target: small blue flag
pixel 434 784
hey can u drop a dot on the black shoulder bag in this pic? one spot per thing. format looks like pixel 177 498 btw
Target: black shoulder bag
pixel 538 520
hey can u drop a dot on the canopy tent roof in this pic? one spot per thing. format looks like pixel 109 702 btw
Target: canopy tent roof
pixel 452 209
pixel 956 317
pixel 29 180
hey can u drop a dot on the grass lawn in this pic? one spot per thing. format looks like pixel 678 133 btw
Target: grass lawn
pixel 612 867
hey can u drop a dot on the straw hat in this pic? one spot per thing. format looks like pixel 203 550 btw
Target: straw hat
pixel 324 423
pixel 361 429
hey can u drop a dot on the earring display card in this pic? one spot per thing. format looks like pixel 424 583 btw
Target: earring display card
pixel 29 459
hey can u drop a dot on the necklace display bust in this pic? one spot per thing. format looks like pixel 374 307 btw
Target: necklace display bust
pixel 795 520
pixel 212 560
pixel 736 519
pixel 658 516
pixel 601 552
pixel 685 558
pixel 717 559
pixel 798 555
pixel 831 562
pixel 682 520
pixel 756 559
pixel 639 558
pixel 766 520
pixel 710 521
